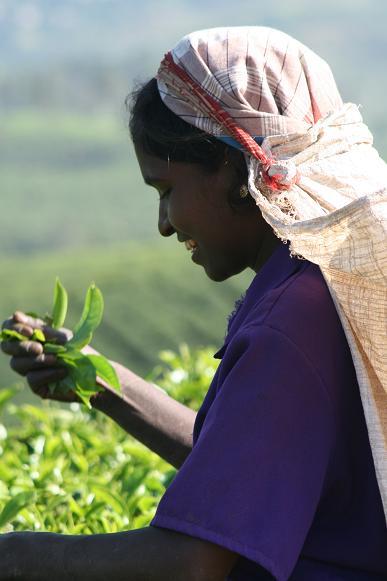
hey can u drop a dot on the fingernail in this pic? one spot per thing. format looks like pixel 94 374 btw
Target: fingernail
pixel 33 347
pixel 50 359
pixel 19 317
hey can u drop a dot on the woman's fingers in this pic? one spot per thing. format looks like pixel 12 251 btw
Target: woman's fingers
pixel 39 381
pixel 41 378
pixel 22 348
pixel 26 325
pixel 21 328
pixel 29 359
pixel 20 317
pixel 24 365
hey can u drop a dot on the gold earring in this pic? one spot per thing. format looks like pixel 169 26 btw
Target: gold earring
pixel 243 191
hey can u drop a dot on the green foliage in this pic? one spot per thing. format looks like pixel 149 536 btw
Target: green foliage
pixel 83 369
pixel 184 375
pixel 72 181
pixel 73 472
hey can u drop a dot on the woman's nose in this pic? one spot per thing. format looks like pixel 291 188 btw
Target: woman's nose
pixel 165 227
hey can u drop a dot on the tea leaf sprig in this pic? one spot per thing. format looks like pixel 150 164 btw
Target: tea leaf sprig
pixel 82 368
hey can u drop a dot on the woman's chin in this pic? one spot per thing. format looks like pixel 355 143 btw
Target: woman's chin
pixel 216 275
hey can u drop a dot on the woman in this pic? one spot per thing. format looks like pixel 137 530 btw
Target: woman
pixel 281 479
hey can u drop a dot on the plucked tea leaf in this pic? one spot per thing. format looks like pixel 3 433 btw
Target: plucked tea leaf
pixel 63 386
pixel 90 319
pixel 84 374
pixel 82 369
pixel 53 348
pixel 38 335
pixel 105 370
pixel 10 334
pixel 59 310
pixel 85 394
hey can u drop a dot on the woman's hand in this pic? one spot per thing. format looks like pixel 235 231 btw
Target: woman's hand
pixel 143 410
pixel 29 359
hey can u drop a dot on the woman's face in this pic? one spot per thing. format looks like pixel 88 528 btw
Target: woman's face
pixel 193 204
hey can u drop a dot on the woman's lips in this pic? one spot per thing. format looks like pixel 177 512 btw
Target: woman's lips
pixel 193 247
pixel 190 245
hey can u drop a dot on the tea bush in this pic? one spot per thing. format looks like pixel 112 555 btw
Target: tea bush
pixel 75 471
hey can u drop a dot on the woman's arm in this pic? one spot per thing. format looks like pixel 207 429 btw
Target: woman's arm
pixel 148 554
pixel 143 410
pixel 150 415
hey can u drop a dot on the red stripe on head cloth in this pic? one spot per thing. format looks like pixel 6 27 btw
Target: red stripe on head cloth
pixel 267 81
pixel 316 177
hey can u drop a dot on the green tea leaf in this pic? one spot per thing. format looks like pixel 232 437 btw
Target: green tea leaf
pixel 38 335
pixel 84 374
pixel 81 370
pixel 105 370
pixel 71 355
pixel 59 310
pixel 63 386
pixel 53 348
pixel 14 506
pixel 90 319
pixel 10 334
pixel 84 396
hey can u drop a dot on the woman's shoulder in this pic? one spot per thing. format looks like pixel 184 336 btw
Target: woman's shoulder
pixel 300 310
pixel 295 299
pixel 301 300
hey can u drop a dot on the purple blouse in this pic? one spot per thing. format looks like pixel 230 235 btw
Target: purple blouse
pixel 281 471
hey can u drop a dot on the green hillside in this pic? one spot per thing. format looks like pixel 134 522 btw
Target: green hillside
pixel 155 298
pixel 68 181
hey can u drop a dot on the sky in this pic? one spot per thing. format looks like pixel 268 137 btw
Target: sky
pixel 45 36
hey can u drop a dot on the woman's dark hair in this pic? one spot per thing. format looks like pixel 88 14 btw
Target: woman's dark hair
pixel 163 134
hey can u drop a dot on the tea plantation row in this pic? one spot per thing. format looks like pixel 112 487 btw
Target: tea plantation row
pixel 71 471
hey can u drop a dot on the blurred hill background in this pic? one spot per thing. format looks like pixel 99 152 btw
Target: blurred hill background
pixel 73 203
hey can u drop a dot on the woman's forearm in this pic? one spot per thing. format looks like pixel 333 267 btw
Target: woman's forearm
pixel 148 554
pixel 151 416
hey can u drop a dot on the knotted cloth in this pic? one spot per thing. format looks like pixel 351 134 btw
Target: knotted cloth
pixel 316 178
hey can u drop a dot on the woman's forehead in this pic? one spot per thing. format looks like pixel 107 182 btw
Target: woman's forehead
pixel 156 171
pixel 153 169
